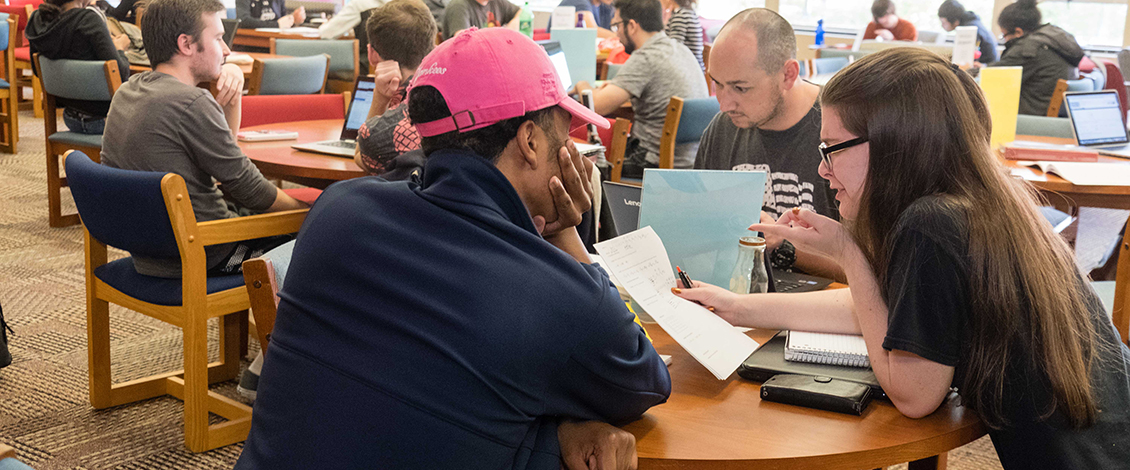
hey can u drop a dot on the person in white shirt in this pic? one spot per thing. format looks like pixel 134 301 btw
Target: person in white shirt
pixel 348 18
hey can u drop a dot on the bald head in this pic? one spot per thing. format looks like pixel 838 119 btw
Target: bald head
pixel 776 41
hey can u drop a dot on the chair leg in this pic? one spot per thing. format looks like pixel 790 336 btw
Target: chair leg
pixel 37 96
pixel 55 183
pixel 233 328
pixel 98 351
pixel 195 382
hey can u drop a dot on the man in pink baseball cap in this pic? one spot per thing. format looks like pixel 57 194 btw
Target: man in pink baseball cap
pixel 458 323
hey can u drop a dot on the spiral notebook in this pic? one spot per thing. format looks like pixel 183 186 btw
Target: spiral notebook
pixel 825 348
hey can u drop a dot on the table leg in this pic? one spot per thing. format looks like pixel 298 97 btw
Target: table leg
pixel 937 462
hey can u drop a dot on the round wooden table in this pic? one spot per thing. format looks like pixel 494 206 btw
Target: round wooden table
pixel 1063 194
pixel 723 424
pixel 277 159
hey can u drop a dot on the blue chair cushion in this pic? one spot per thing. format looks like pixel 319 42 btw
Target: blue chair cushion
pixel 298 76
pixel 75 79
pixel 4 83
pixel 75 138
pixel 122 276
pixel 13 464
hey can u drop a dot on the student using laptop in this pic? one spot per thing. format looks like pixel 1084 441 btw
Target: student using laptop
pixel 161 121
pixel 400 33
pixel 955 278
pixel 346 144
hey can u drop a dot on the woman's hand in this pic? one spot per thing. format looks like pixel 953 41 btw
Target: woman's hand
pixel 722 302
pixel 811 232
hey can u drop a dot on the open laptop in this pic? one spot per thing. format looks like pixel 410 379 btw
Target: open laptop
pixel 624 204
pixel 354 117
pixel 1097 121
pixel 557 56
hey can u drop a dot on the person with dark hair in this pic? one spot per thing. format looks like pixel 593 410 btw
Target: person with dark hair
pixel 162 121
pixel 463 14
pixel 952 14
pixel 769 121
pixel 886 25
pixel 400 33
pixel 956 279
pixel 66 29
pixel 1047 53
pixel 458 323
pixel 267 14
pixel 657 69
pixel 683 26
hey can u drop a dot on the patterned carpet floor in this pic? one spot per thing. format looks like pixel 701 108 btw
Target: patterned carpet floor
pixel 44 409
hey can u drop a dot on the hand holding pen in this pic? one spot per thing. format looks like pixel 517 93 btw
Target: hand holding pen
pixel 687 283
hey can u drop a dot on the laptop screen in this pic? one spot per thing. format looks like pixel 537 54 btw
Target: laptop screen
pixel 1096 117
pixel 557 56
pixel 359 107
pixel 624 204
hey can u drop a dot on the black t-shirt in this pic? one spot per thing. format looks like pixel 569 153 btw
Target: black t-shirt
pixel 929 300
pixel 790 157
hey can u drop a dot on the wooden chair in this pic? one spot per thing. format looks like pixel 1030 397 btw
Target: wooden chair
pixel 706 66
pixel 1063 86
pixel 8 459
pixel 617 147
pixel 263 278
pixel 344 55
pixel 74 79
pixel 150 214
pixel 686 120
pixel 1121 311
pixel 23 74
pixel 296 76
pixel 9 110
pixel 258 110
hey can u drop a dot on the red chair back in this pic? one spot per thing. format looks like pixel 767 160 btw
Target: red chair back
pixel 269 109
pixel 19 3
pixel 21 13
pixel 583 134
pixel 1114 81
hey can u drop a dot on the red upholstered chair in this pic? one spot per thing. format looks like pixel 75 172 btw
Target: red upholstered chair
pixel 23 73
pixel 269 109
pixel 1114 81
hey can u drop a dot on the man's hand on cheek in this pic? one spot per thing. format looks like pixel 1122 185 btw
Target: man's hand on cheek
pixel 571 192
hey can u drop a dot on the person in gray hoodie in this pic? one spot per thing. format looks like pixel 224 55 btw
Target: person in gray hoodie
pixel 1047 53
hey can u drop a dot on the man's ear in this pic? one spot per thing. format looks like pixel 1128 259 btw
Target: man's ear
pixel 185 45
pixel 374 58
pixel 528 144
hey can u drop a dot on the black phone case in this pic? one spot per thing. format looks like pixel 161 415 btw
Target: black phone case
pixel 823 393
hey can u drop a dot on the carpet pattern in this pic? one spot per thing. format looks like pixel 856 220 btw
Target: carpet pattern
pixel 44 408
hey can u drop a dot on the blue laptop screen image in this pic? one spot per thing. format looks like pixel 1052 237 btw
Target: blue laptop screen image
pixel 1097 118
pixel 359 108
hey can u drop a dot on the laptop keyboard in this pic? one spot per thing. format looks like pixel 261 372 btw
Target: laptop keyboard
pixel 345 144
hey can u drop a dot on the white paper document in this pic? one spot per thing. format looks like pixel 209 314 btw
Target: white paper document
pixel 964 45
pixel 564 18
pixel 640 262
pixel 1087 173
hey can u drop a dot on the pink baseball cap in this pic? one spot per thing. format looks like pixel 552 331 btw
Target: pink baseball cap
pixel 490 75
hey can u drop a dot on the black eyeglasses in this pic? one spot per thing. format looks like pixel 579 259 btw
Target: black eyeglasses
pixel 826 150
pixel 615 26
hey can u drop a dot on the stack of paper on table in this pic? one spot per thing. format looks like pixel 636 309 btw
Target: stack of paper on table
pixel 1087 174
pixel 640 261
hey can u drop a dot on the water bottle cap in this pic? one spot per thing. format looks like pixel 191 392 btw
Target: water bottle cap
pixel 751 241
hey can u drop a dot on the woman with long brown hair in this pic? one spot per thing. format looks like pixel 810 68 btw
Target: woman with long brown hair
pixel 955 278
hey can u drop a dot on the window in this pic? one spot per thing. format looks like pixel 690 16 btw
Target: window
pixel 724 9
pixel 855 14
pixel 1092 23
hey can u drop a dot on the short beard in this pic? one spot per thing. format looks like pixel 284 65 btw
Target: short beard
pixel 774 113
pixel 629 46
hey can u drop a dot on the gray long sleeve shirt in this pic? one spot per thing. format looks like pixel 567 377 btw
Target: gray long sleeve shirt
pixel 157 123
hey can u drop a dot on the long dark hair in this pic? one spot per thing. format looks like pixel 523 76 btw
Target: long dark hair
pixel 1023 14
pixel 929 127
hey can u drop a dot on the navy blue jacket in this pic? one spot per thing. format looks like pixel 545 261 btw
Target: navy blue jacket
pixel 432 327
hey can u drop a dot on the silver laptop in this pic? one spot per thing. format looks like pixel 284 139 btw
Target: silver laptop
pixel 354 117
pixel 1097 122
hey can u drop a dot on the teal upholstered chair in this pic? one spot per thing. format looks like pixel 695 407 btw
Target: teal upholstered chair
pixel 296 76
pixel 9 119
pixel 825 65
pixel 89 80
pixel 686 120
pixel 831 53
pixel 1044 126
pixel 344 58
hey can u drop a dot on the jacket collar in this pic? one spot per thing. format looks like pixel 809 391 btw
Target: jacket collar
pixel 465 178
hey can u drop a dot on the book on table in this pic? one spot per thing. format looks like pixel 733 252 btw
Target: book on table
pixel 826 348
pixel 1087 174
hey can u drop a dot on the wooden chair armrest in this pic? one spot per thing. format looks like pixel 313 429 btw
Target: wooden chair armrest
pixel 7 452
pixel 216 232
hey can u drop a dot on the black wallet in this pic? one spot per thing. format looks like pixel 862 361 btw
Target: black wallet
pixel 824 393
